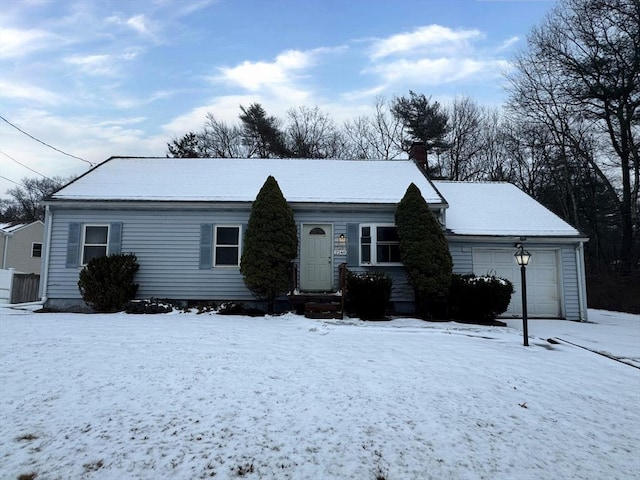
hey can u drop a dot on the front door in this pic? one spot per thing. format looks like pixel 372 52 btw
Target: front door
pixel 316 265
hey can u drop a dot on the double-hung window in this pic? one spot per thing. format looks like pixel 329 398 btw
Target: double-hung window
pixel 227 246
pixel 379 245
pixel 36 250
pixel 95 240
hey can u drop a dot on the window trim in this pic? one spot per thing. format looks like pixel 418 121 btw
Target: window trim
pixel 373 230
pixel 83 243
pixel 33 246
pixel 215 245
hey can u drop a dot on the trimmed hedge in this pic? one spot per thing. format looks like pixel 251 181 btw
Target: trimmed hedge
pixel 106 283
pixel 479 298
pixel 368 294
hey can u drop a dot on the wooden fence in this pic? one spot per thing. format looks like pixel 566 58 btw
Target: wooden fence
pixel 19 287
pixel 26 287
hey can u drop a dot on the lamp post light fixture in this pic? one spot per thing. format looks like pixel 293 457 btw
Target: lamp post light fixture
pixel 523 257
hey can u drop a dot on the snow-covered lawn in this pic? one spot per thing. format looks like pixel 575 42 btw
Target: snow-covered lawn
pixel 198 396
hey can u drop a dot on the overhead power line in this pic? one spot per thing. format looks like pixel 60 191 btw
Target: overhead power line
pixel 9 180
pixel 44 143
pixel 25 166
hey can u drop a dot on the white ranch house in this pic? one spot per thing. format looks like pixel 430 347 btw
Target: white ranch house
pixel 184 219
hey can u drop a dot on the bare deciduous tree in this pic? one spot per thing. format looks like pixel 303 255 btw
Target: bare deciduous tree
pixel 376 136
pixel 311 133
pixel 460 161
pixel 25 200
pixel 582 69
pixel 222 140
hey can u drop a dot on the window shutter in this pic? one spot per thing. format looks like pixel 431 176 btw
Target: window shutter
pixel 73 245
pixel 206 246
pixel 243 232
pixel 115 238
pixel 353 244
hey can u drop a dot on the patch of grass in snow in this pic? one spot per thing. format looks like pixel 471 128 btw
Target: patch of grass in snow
pixel 27 476
pixel 380 473
pixel 242 470
pixel 27 437
pixel 93 466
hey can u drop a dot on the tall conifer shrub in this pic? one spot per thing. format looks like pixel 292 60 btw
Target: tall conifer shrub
pixel 424 251
pixel 270 244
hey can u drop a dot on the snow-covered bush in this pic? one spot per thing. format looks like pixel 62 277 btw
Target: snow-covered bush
pixel 479 298
pixel 106 283
pixel 238 308
pixel 368 294
pixel 151 306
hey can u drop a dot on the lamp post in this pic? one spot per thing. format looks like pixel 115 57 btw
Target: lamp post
pixel 523 257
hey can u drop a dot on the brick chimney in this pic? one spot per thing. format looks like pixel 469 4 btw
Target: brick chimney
pixel 418 153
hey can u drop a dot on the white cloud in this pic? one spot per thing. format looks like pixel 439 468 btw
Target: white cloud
pixel 99 139
pixel 427 39
pixel 103 65
pixel 369 93
pixel 25 91
pixel 508 43
pixel 93 64
pixel 140 24
pixel 434 55
pixel 120 121
pixel 437 71
pixel 225 108
pixel 183 8
pixel 16 42
pixel 280 82
pixel 254 76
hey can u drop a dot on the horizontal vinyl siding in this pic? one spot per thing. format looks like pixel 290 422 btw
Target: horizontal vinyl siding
pixel 461 254
pixel 167 248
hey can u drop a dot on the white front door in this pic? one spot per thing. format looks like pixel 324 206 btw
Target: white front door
pixel 316 262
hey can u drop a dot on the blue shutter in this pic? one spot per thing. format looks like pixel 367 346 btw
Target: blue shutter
pixel 353 244
pixel 115 238
pixel 73 245
pixel 243 232
pixel 206 246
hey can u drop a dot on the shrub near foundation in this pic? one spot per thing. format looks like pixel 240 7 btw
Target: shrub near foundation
pixel 106 283
pixel 368 294
pixel 480 298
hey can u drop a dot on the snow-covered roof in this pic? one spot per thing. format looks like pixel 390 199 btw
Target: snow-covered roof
pixel 11 227
pixel 239 180
pixel 497 208
pixel 474 208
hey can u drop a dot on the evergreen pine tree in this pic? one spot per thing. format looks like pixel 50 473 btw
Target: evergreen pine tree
pixel 262 134
pixel 425 121
pixel 270 244
pixel 424 251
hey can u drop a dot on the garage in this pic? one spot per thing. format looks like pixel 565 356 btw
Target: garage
pixel 543 286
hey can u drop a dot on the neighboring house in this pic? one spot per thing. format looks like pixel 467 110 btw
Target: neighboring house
pixel 184 219
pixel 21 246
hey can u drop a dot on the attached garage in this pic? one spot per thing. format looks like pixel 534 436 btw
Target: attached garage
pixel 485 222
pixel 543 279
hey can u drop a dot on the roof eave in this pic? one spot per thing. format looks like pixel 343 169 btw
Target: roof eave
pixel 512 238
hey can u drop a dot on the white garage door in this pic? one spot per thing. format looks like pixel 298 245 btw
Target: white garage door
pixel 543 297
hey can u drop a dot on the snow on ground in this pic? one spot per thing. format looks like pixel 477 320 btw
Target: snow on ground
pixel 199 396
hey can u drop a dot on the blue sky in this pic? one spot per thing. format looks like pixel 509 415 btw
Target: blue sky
pixel 119 77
